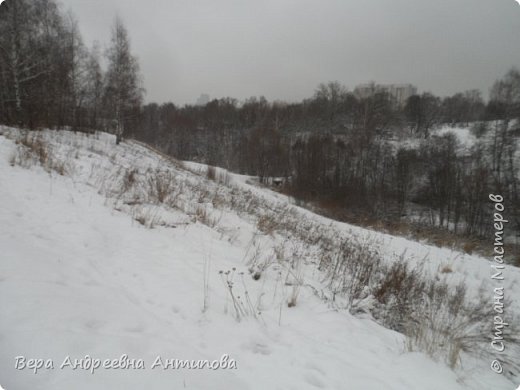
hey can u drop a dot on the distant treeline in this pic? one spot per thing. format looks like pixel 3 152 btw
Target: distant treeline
pixel 365 158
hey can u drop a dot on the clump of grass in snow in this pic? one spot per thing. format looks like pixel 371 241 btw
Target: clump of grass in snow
pixel 33 150
pixel 242 305
pixel 160 184
pixel 147 217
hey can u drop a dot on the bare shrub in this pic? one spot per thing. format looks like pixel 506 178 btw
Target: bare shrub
pixel 160 184
pixel 37 146
pixel 22 157
pixel 397 291
pixel 447 323
pixel 58 166
pixel 353 270
pixel 203 216
pixel 218 200
pixel 438 320
pixel 129 179
pixel 267 224
pixel 202 194
pixel 33 150
pixel 469 247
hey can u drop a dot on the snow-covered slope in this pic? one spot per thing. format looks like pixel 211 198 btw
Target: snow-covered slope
pixel 89 269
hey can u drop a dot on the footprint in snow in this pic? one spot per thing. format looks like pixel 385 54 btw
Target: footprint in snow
pixel 313 380
pixel 314 367
pixel 178 312
pixel 258 348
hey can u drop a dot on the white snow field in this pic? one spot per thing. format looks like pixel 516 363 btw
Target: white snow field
pixel 89 269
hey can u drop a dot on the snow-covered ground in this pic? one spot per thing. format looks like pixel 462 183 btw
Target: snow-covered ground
pixel 463 134
pixel 79 275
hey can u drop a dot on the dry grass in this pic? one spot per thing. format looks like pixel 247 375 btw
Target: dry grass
pixel 437 319
pixel 37 146
pixel 129 179
pixel 267 224
pixel 202 215
pixel 241 303
pixel 469 247
pixel 148 218
pixel 449 323
pixel 33 150
pixel 160 184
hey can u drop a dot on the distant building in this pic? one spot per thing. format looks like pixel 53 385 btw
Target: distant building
pixel 400 92
pixel 202 100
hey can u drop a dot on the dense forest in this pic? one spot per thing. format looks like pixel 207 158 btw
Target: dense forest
pixel 363 159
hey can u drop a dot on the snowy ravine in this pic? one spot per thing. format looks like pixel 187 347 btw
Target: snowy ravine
pixel 80 276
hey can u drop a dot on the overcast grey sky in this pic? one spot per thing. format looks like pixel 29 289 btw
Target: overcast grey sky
pixel 282 49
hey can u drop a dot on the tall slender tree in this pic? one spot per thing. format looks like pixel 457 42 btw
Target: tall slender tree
pixel 19 34
pixel 123 92
pixel 93 87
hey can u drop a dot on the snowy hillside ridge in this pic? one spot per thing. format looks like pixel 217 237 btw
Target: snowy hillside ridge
pixel 226 253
